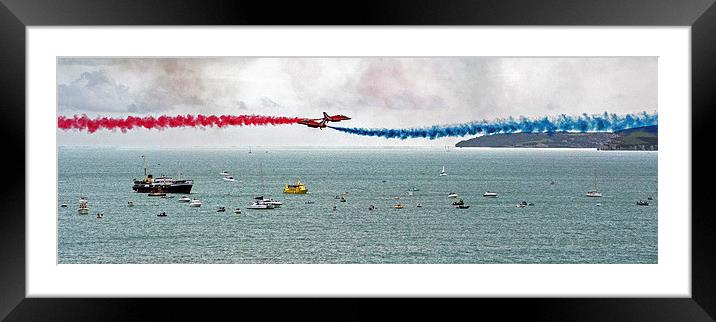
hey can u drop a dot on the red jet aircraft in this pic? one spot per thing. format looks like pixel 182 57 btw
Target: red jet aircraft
pixel 314 123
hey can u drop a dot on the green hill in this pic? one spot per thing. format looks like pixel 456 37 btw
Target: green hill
pixel 643 138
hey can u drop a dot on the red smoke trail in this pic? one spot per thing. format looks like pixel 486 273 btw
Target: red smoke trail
pixel 149 122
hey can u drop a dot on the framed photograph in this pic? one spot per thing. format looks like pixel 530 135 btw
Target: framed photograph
pixel 495 158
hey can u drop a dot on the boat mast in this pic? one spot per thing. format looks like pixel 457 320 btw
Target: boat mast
pixel 145 166
pixel 595 180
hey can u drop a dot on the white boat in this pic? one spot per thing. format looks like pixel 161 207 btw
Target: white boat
pixel 84 206
pixel 237 210
pixel 229 178
pixel 195 203
pixel 224 173
pixel 184 199
pixel 594 192
pixel 269 201
pixel 261 205
pixel 443 173
pixel 490 194
pixel 452 195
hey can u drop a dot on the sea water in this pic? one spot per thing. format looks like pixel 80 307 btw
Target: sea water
pixel 563 225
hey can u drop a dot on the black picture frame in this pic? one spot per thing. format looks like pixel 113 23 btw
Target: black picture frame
pixel 15 15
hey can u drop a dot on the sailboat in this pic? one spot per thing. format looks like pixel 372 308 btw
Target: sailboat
pixel 594 192
pixel 443 173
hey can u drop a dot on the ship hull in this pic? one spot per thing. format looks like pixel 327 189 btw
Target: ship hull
pixel 296 192
pixel 176 188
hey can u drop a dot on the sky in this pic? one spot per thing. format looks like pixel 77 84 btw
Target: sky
pixel 376 92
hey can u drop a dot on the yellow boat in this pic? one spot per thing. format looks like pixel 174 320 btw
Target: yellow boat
pixel 398 206
pixel 298 188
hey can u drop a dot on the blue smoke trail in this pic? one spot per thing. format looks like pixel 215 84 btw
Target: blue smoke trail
pixel 563 123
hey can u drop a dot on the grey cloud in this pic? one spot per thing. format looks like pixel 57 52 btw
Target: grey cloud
pixel 268 103
pixel 94 91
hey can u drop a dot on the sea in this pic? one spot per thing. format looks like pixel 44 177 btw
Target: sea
pixel 561 225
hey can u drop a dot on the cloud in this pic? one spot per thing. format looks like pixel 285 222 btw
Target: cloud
pixel 94 91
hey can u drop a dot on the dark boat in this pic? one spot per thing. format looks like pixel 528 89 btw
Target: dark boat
pixel 458 203
pixel 163 183
pixel 462 207
pixel 642 203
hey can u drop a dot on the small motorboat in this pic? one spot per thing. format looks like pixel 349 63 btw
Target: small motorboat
pixel 650 198
pixel 100 215
pixel 224 173
pixel 452 195
pixel 268 201
pixel 130 203
pixel 420 205
pixel 221 209
pixel 195 203
pixel 261 205
pixel 461 207
pixel 522 204
pixel 64 205
pixel 229 178
pixel 184 199
pixel 414 189
pixel 599 204
pixel 334 208
pixel 443 173
pixel 642 203
pixel 162 214
pixel 371 207
pixel 458 203
pixel 490 194
pixel 343 199
pixel 309 202
pixel 398 206
pixel 84 206
pixel 594 193
pixel 237 210
pixel 396 197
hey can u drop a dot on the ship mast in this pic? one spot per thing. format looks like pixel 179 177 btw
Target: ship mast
pixel 145 166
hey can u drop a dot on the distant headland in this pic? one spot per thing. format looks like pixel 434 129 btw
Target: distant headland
pixel 641 138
